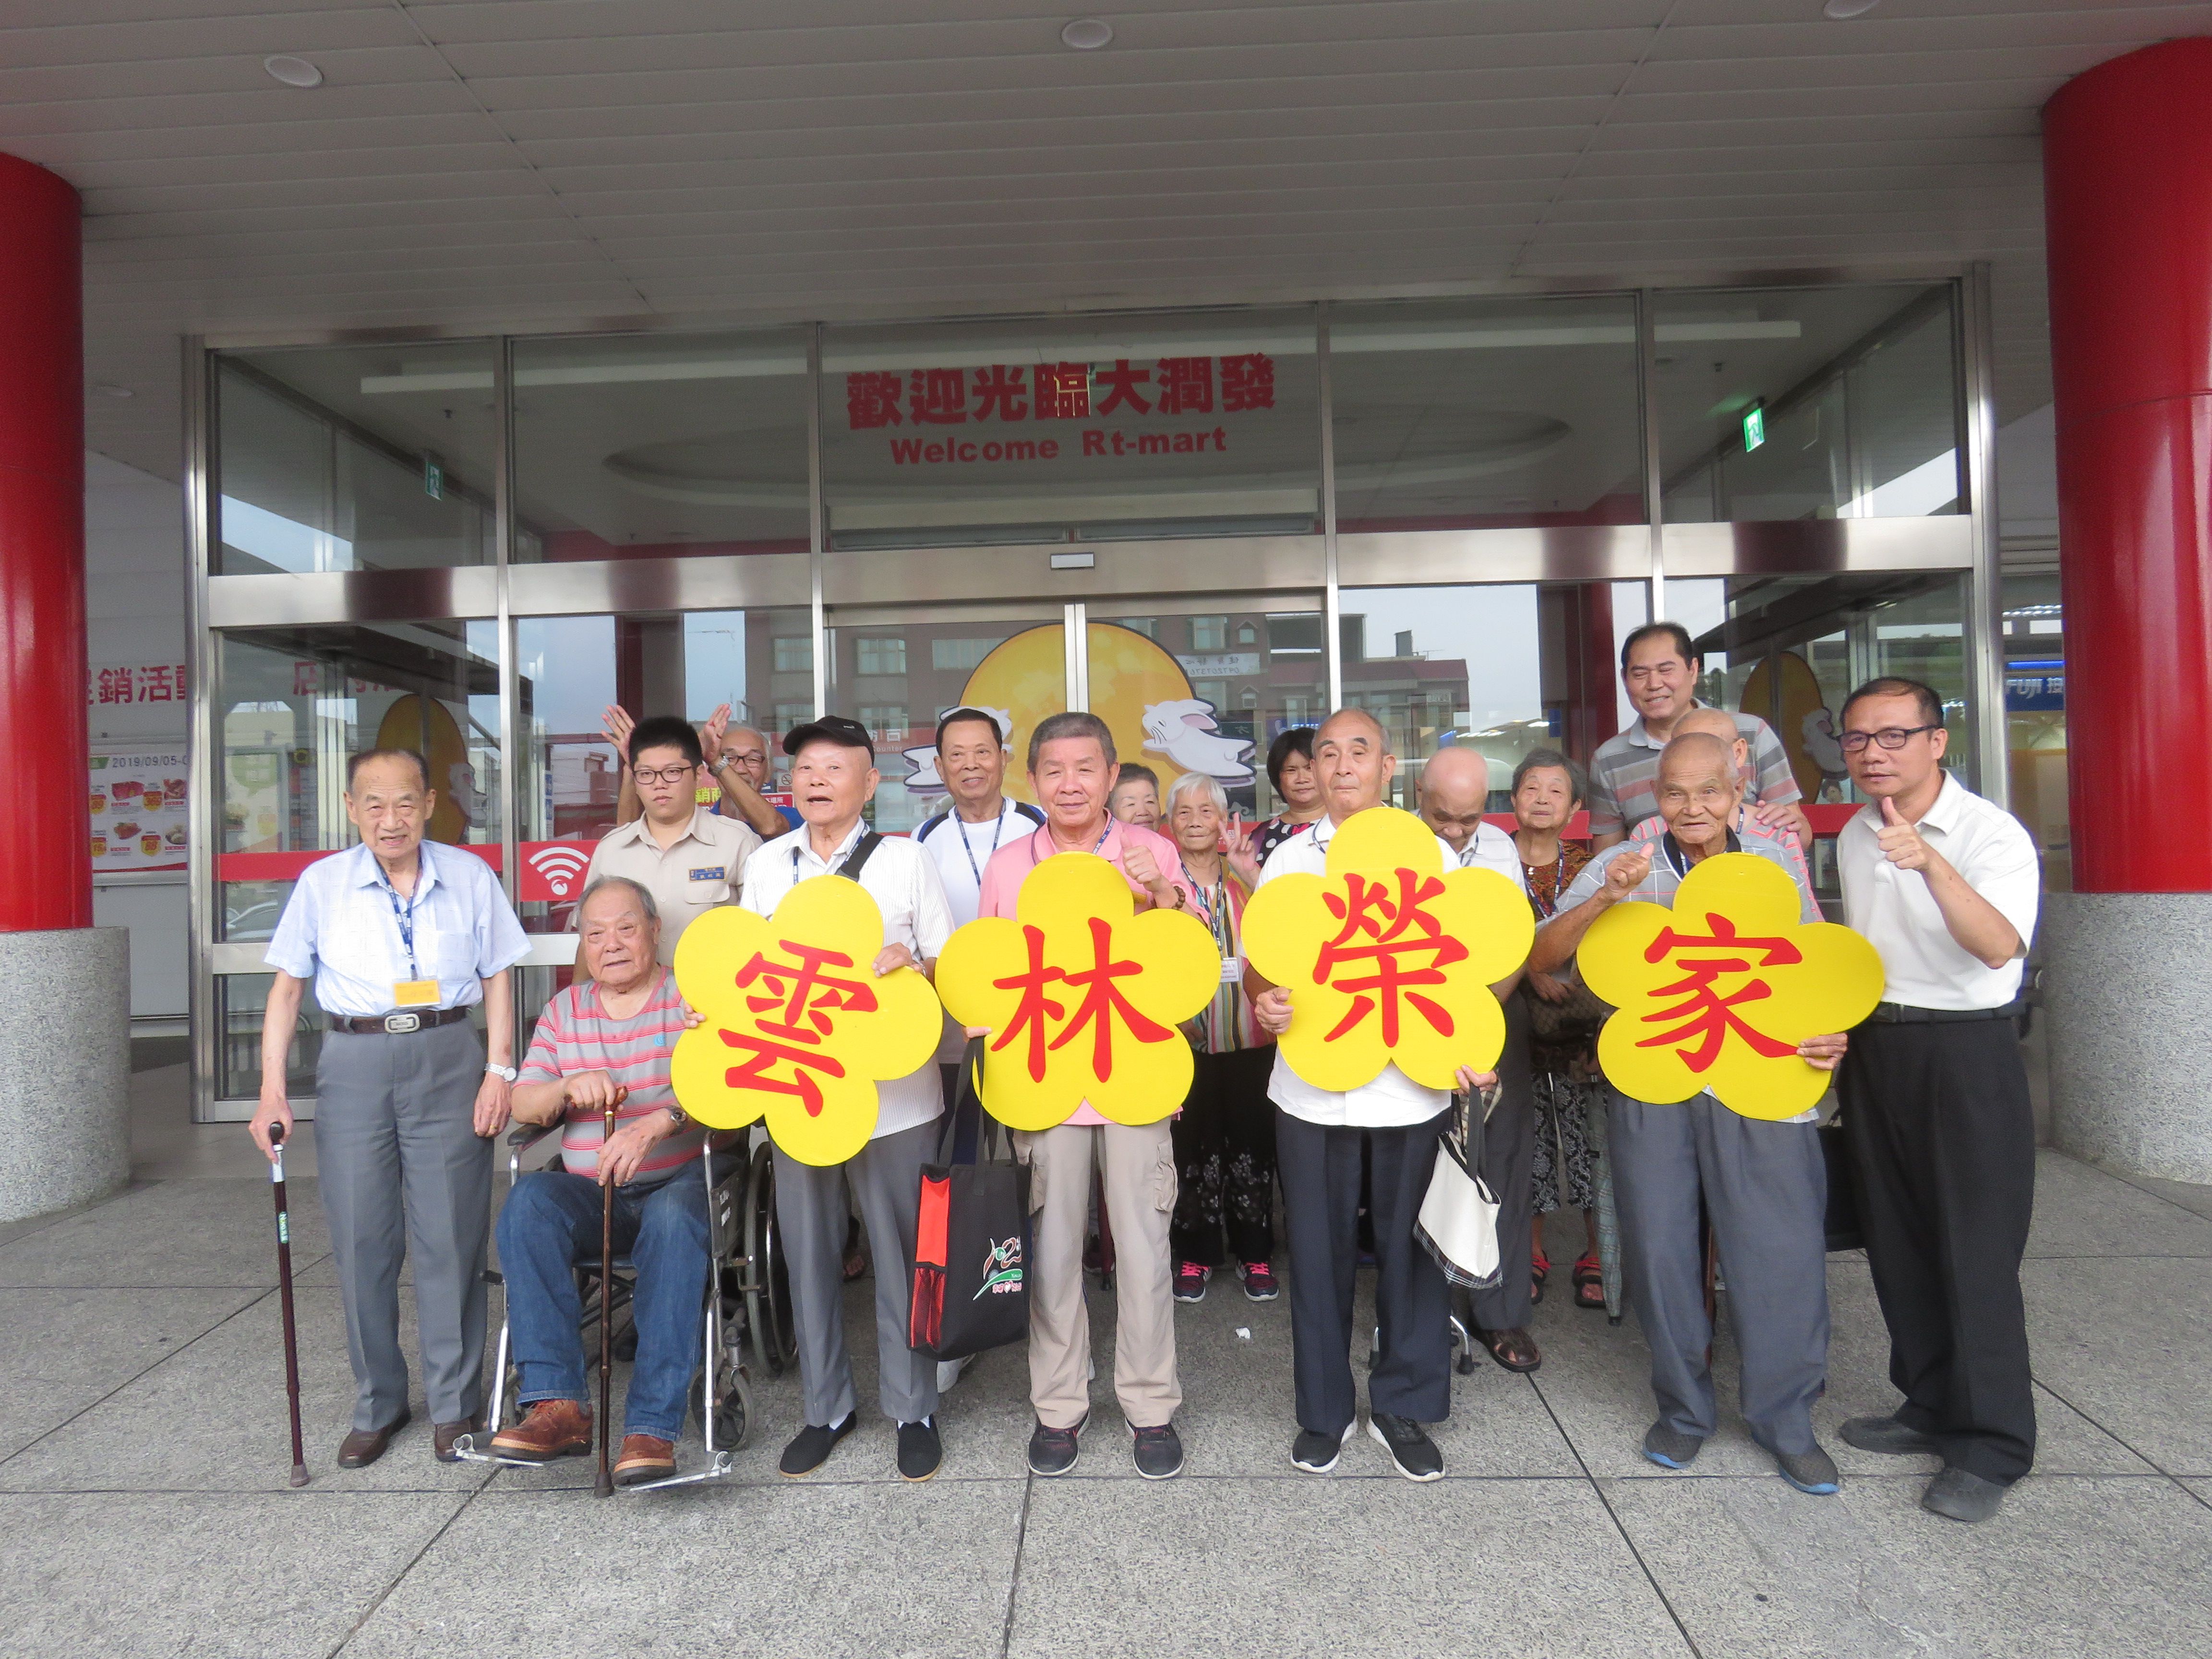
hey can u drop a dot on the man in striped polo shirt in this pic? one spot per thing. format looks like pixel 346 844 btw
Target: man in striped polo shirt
pixel 614 1032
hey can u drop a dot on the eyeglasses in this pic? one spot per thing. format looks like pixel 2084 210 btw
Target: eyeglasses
pixel 1890 736
pixel 662 774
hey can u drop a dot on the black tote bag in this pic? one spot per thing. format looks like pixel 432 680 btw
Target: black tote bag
pixel 972 1246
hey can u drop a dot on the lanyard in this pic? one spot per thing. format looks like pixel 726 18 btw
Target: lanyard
pixel 998 829
pixel 1037 858
pixel 1548 907
pixel 843 857
pixel 1679 861
pixel 404 914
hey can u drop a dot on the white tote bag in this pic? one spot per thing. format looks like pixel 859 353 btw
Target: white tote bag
pixel 1458 1222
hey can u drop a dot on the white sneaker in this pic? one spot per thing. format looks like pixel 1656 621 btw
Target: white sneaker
pixel 948 1372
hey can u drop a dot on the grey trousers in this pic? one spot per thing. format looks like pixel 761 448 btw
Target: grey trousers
pixel 1509 1149
pixel 405 1173
pixel 885 1176
pixel 1766 1189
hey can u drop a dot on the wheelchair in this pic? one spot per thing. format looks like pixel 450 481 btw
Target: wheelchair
pixel 748 1300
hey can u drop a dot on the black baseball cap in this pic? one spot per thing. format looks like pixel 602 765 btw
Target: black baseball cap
pixel 845 733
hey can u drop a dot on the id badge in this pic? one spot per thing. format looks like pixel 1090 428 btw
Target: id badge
pixel 1232 971
pixel 415 994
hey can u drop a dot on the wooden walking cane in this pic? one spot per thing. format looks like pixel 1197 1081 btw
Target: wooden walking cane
pixel 284 1290
pixel 605 1487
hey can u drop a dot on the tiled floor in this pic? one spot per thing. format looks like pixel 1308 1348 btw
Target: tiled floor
pixel 142 1491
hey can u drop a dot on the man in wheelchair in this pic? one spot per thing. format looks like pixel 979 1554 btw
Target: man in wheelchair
pixel 599 1042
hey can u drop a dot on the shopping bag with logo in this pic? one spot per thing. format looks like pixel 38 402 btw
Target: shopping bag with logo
pixel 1458 1222
pixel 972 1250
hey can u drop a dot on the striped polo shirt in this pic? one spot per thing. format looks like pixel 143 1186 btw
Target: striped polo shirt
pixel 576 1034
pixel 1623 774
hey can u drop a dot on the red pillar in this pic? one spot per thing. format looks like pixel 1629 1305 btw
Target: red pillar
pixel 46 861
pixel 2127 153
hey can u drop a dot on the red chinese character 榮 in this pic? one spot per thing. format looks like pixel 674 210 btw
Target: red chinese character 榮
pixel 872 399
pixel 1707 1016
pixel 1247 382
pixel 1388 933
pixel 1119 385
pixel 936 396
pixel 1063 392
pixel 1001 388
pixel 1186 385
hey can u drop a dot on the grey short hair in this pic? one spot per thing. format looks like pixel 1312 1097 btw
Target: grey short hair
pixel 1071 723
pixel 1212 786
pixel 644 895
pixel 1538 760
pixel 1354 711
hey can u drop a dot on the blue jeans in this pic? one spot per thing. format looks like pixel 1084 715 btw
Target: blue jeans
pixel 550 1222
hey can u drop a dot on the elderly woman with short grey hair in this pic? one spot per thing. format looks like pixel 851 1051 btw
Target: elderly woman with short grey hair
pixel 1224 1140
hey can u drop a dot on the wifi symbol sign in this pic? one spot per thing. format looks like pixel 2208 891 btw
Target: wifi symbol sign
pixel 558 866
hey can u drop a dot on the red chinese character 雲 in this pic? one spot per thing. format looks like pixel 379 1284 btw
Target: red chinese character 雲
pixel 1386 933
pixel 871 400
pixel 1063 392
pixel 810 994
pixel 1248 382
pixel 1708 1016
pixel 1001 388
pixel 757 1072
pixel 936 396
pixel 1120 384
pixel 1186 386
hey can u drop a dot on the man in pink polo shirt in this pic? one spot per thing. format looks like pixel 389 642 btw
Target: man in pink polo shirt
pixel 1071 772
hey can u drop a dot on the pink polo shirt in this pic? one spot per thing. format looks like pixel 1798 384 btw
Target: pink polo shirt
pixel 1003 877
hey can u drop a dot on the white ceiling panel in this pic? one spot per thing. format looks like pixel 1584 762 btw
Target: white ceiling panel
pixel 179 40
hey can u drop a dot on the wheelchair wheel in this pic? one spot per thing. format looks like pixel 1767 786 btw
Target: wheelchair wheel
pixel 733 1403
pixel 768 1281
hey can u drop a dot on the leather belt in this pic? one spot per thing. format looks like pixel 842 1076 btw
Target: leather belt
pixel 396 1024
pixel 1899 1014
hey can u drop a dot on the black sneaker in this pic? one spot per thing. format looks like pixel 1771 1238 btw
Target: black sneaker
pixel 1259 1278
pixel 1190 1281
pixel 1053 1451
pixel 1408 1444
pixel 1957 1495
pixel 1159 1452
pixel 1316 1453
pixel 1888 1435
pixel 1670 1448
pixel 811 1447
pixel 919 1450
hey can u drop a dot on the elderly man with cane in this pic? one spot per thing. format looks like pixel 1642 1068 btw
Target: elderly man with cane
pixel 402 937
pixel 1937 1111
pixel 603 1047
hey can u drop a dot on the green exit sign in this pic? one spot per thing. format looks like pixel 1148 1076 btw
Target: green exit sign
pixel 433 478
pixel 1754 428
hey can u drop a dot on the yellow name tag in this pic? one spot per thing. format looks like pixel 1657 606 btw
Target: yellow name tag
pixel 415 994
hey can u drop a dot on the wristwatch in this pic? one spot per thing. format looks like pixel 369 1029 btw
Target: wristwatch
pixel 677 1115
pixel 506 1072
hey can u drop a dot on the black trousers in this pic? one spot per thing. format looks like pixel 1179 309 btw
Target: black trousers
pixel 1942 1138
pixel 1225 1153
pixel 1509 1152
pixel 1321 1205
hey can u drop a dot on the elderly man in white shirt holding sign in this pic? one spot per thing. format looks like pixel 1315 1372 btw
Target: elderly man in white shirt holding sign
pixel 1946 885
pixel 1317 1140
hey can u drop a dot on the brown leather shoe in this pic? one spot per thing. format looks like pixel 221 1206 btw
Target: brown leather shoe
pixel 364 1446
pixel 644 1457
pixel 1515 1349
pixel 554 1428
pixel 442 1435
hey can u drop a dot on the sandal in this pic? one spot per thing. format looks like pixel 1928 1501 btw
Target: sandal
pixel 1590 1283
pixel 1538 1263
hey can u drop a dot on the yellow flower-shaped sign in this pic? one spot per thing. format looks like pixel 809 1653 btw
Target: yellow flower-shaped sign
pixel 798 1026
pixel 1082 997
pixel 1390 957
pixel 1718 992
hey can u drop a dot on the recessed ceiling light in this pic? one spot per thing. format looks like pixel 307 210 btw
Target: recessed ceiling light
pixel 1087 34
pixel 1841 10
pixel 105 389
pixel 293 71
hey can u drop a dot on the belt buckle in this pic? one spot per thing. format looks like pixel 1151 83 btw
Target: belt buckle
pixel 400 1025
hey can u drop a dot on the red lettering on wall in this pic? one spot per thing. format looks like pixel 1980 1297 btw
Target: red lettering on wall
pixel 1094 442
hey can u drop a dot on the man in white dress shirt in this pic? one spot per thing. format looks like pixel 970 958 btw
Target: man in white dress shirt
pixel 1454 789
pixel 1318 1136
pixel 402 937
pixel 1936 1103
pixel 833 775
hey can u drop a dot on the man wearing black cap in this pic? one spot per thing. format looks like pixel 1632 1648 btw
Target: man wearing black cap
pixel 832 776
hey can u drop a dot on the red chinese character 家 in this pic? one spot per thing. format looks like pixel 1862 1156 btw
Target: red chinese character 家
pixel 1708 1016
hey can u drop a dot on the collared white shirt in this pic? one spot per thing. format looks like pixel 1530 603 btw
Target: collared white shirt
pixel 1924 967
pixel 1392 1100
pixel 341 928
pixel 903 879
pixel 962 850
pixel 703 868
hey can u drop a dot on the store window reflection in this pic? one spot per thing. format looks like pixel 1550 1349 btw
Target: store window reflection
pixel 355 459
pixel 2035 638
pixel 1821 403
pixel 1475 413
pixel 655 445
pixel 292 706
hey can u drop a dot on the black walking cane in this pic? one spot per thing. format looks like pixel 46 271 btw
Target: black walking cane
pixel 606 1486
pixel 285 1289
